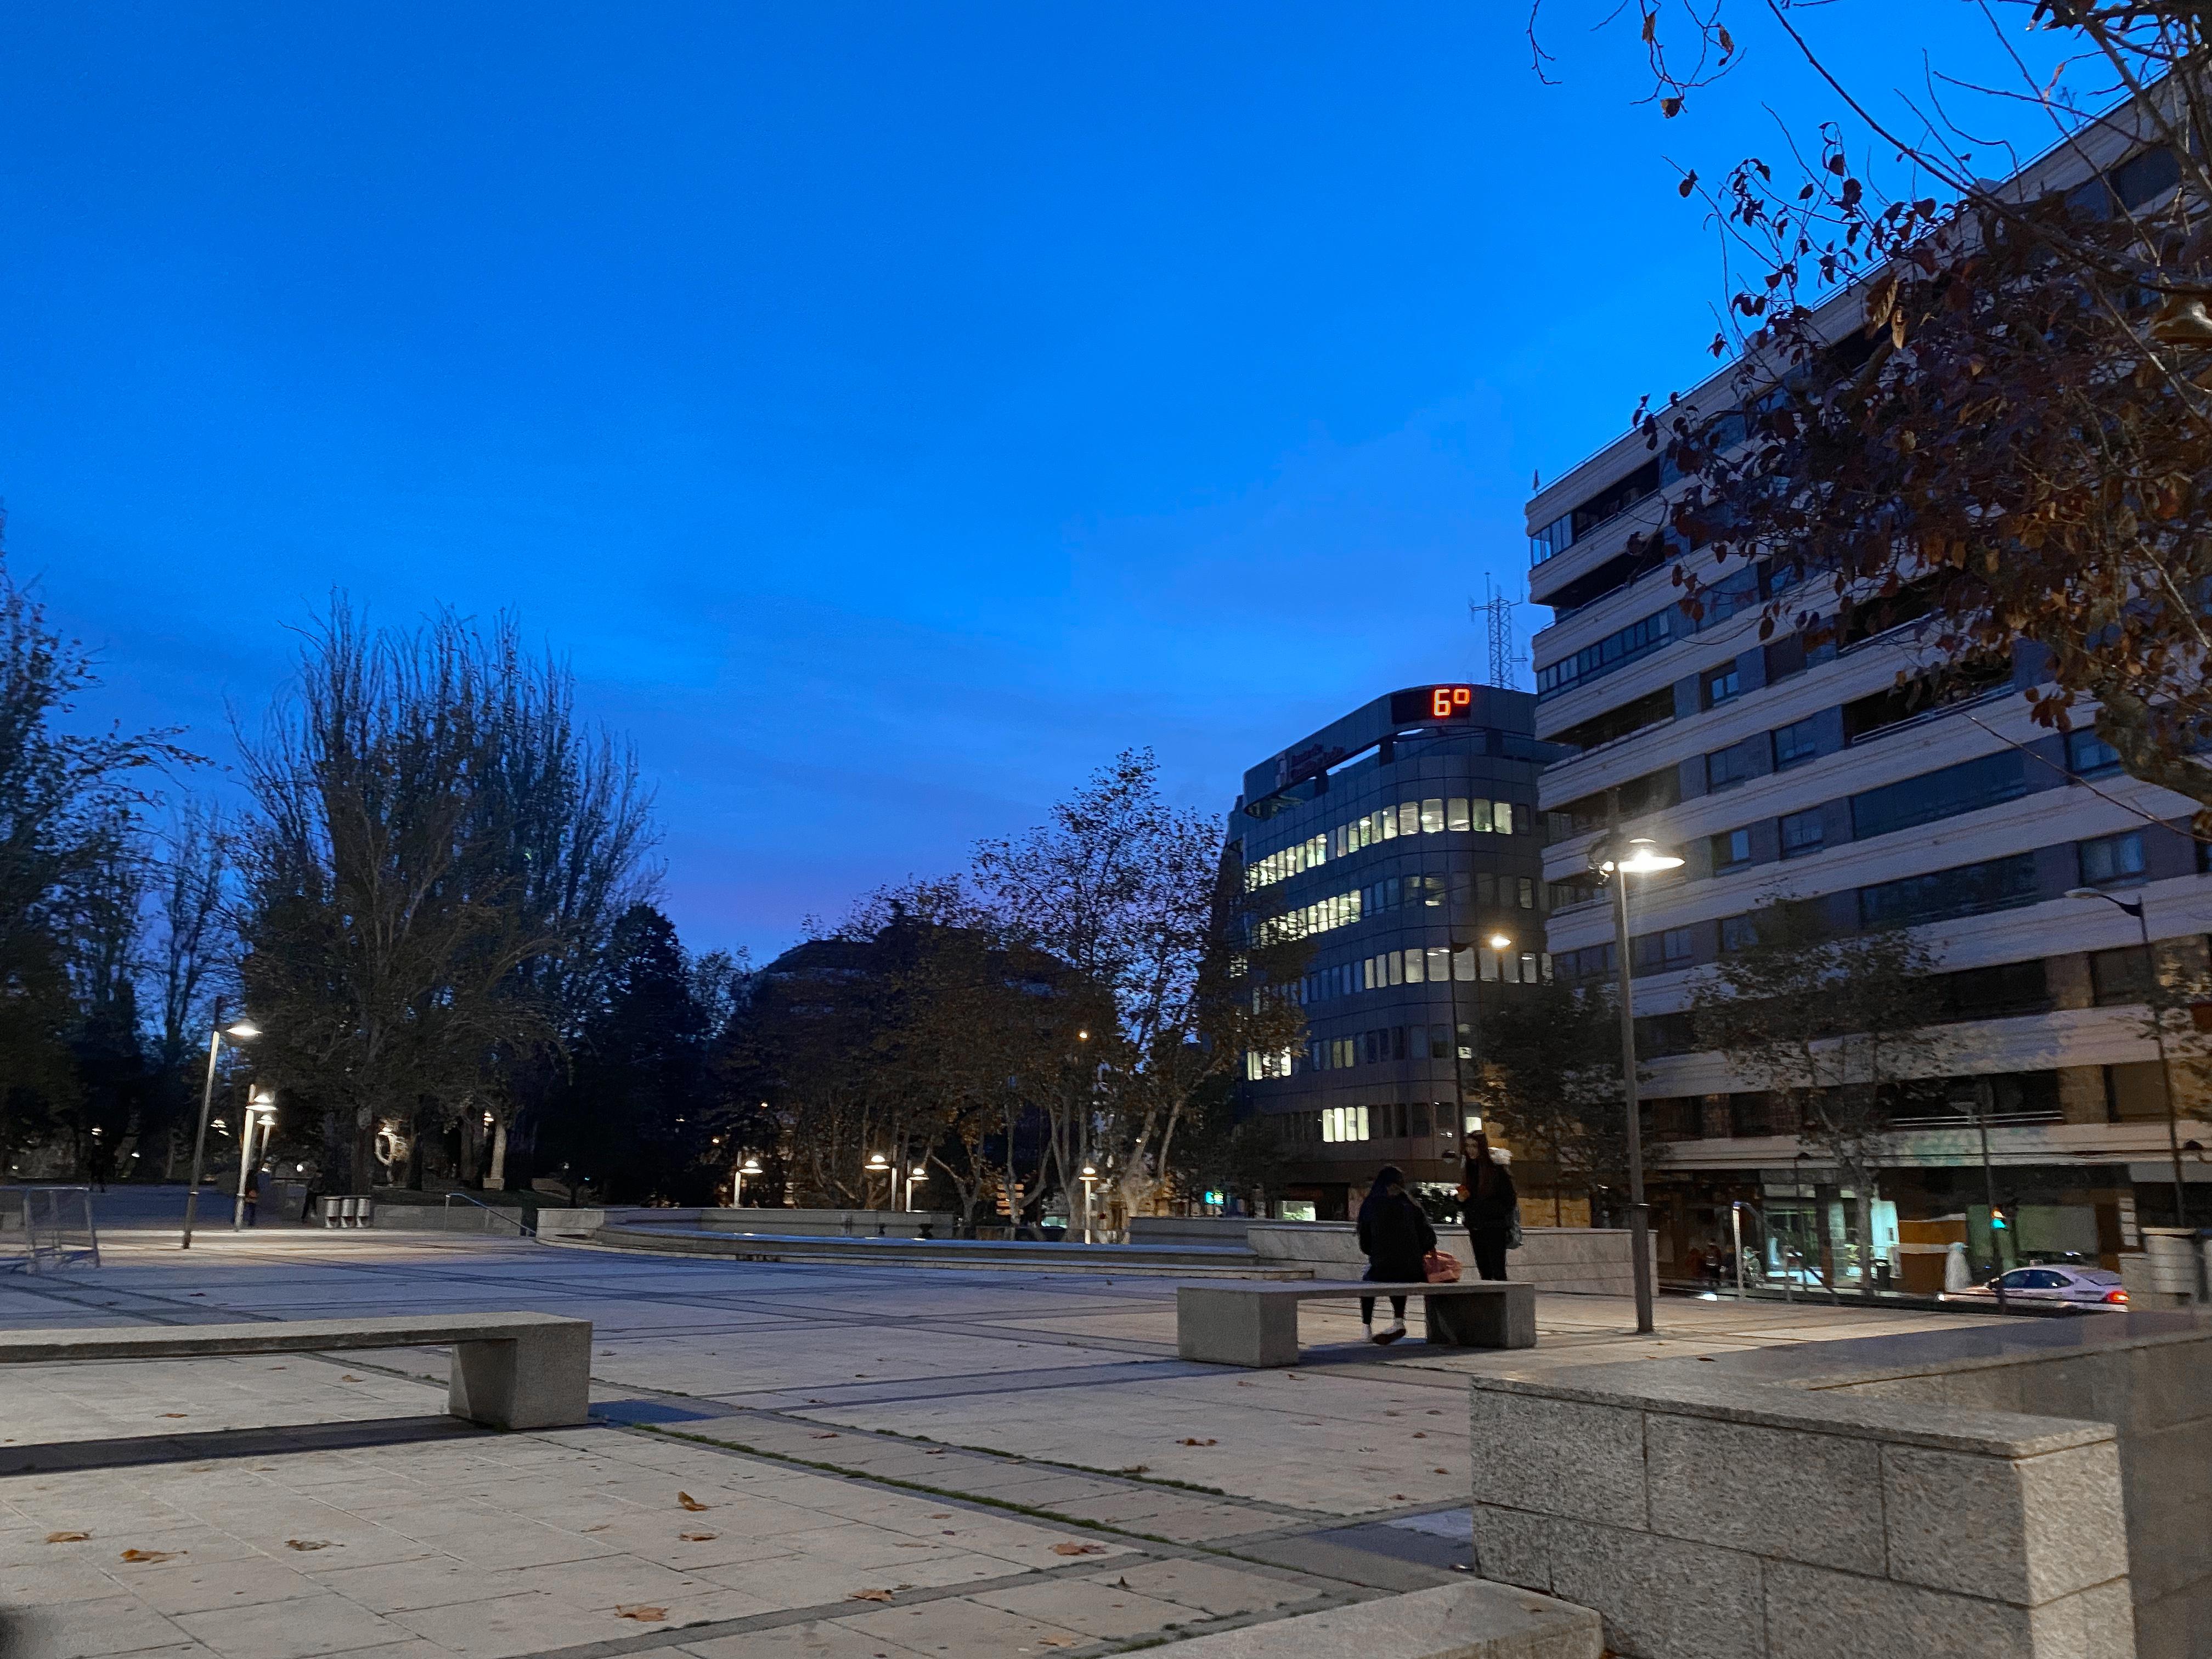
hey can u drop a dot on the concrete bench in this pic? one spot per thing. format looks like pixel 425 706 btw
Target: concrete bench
pixel 1257 1324
pixel 511 1370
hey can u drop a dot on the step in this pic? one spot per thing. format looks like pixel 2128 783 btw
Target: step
pixel 1178 1261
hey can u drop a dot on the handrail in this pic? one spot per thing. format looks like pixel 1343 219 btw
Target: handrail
pixel 522 1228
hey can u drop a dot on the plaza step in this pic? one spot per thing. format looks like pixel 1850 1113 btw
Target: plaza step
pixel 1159 1260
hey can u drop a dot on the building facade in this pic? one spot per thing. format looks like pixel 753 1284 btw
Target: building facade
pixel 1402 844
pixel 1778 767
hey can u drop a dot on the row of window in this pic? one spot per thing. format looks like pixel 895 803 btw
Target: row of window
pixel 1390 1121
pixel 1434 965
pixel 1434 815
pixel 1784 747
pixel 1488 890
pixel 1967 889
pixel 1383 1044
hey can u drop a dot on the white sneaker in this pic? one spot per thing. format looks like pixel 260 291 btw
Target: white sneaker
pixel 1397 1329
pixel 1369 1327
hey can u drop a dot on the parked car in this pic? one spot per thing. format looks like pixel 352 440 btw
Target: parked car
pixel 2090 1289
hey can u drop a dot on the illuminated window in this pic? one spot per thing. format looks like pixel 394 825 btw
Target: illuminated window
pixel 1463 962
pixel 1455 815
pixel 1432 817
pixel 1440 962
pixel 1409 818
pixel 1413 968
pixel 1479 815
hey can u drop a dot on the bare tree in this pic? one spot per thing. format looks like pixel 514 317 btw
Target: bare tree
pixel 1834 1025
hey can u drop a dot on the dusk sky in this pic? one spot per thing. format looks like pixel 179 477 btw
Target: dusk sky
pixel 891 410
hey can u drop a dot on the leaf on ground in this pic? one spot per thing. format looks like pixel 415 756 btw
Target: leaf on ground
pixel 643 1615
pixel 940 1514
pixel 1443 1470
pixel 869 1596
pixel 934 1452
pixel 1421 1434
pixel 67 1537
pixel 602 1526
pixel 823 1434
pixel 1188 1442
pixel 349 1378
pixel 1057 1641
pixel 698 1537
pixel 173 1413
pixel 152 1555
pixel 1079 1549
pixel 689 1502
pixel 306 1543
pixel 1135 1469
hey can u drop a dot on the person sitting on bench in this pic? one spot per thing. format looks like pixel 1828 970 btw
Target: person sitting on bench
pixel 1393 1235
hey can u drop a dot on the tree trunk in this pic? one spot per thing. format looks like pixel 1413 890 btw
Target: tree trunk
pixel 496 1181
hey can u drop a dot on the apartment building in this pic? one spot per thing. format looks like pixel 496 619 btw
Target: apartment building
pixel 1402 843
pixel 1776 766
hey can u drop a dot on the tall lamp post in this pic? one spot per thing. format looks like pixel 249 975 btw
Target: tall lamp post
pixel 1089 1177
pixel 1616 859
pixel 260 1118
pixel 237 1031
pixel 750 1167
pixel 2135 908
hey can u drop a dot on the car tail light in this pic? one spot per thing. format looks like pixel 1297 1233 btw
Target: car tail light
pixel 2115 1295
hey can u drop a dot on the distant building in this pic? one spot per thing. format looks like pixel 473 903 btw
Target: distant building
pixel 1772 766
pixel 1402 841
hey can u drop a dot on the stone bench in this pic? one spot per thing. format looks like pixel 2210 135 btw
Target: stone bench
pixel 511 1370
pixel 1257 1324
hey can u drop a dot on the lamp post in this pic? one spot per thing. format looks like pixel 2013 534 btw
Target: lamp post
pixel 750 1167
pixel 1616 859
pixel 237 1031
pixel 881 1166
pixel 2135 908
pixel 260 1117
pixel 1090 1175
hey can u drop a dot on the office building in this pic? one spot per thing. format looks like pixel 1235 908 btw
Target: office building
pixel 1776 766
pixel 1402 843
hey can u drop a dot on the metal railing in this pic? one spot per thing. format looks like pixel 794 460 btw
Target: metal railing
pixel 523 1228
pixel 55 1225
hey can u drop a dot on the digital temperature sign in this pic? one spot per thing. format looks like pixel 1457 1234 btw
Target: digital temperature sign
pixel 1432 702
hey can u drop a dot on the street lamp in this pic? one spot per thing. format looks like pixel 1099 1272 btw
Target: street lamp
pixel 2135 908
pixel 261 1116
pixel 750 1167
pixel 1616 859
pixel 879 1164
pixel 1089 1175
pixel 238 1030
pixel 919 1172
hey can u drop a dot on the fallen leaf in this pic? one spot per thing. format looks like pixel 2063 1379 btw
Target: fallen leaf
pixel 689 1502
pixel 869 1596
pixel 940 1514
pixel 67 1537
pixel 1079 1549
pixel 643 1615
pixel 1141 1469
pixel 1197 1443
pixel 1397 1498
pixel 1422 1434
pixel 349 1378
pixel 306 1543
pixel 913 1546
pixel 825 1434
pixel 934 1452
pixel 1057 1641
pixel 1441 1471
pixel 153 1555
pixel 602 1526
pixel 698 1537
pixel 173 1413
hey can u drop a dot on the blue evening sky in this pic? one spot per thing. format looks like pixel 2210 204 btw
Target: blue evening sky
pixel 892 411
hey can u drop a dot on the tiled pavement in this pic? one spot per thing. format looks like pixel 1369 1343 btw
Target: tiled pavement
pixel 888 1463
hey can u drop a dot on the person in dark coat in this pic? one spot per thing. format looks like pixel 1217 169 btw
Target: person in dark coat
pixel 1489 1203
pixel 1393 1235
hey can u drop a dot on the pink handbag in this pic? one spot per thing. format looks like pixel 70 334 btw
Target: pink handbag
pixel 1439 1268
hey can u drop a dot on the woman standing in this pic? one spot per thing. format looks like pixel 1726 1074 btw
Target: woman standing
pixel 1393 1235
pixel 1492 1206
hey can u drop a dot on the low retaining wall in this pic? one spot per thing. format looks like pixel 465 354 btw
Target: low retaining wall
pixel 1590 1261
pixel 2037 1489
pixel 582 1223
pixel 2173 1269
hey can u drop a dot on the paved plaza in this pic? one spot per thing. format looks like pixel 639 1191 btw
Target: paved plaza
pixel 843 1463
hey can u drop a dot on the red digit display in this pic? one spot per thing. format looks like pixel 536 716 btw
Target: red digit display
pixel 1446 701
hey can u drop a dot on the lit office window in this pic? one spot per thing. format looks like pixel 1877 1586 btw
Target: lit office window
pixel 1432 817
pixel 1455 815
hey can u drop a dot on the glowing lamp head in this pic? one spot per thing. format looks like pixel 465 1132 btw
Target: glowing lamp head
pixel 751 1166
pixel 1499 942
pixel 1639 856
pixel 879 1162
pixel 242 1030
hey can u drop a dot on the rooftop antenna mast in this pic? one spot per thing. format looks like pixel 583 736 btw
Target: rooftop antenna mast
pixel 1495 616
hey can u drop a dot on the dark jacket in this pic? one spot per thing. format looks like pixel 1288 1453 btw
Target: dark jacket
pixel 1395 1236
pixel 1493 1210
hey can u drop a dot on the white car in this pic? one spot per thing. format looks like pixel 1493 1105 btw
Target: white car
pixel 2086 1288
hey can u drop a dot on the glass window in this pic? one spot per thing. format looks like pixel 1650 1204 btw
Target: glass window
pixel 1796 743
pixel 1414 970
pixel 1726 768
pixel 1479 813
pixel 1503 818
pixel 1525 892
pixel 1803 832
pixel 1719 686
pixel 1455 817
pixel 1731 849
pixel 1966 787
pixel 1738 932
pixel 1432 817
pixel 1676 947
pixel 2118 977
pixel 1969 890
pixel 2088 755
pixel 1439 957
pixel 2113 860
pixel 1409 818
pixel 1463 962
pixel 1489 962
pixel 1395 968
